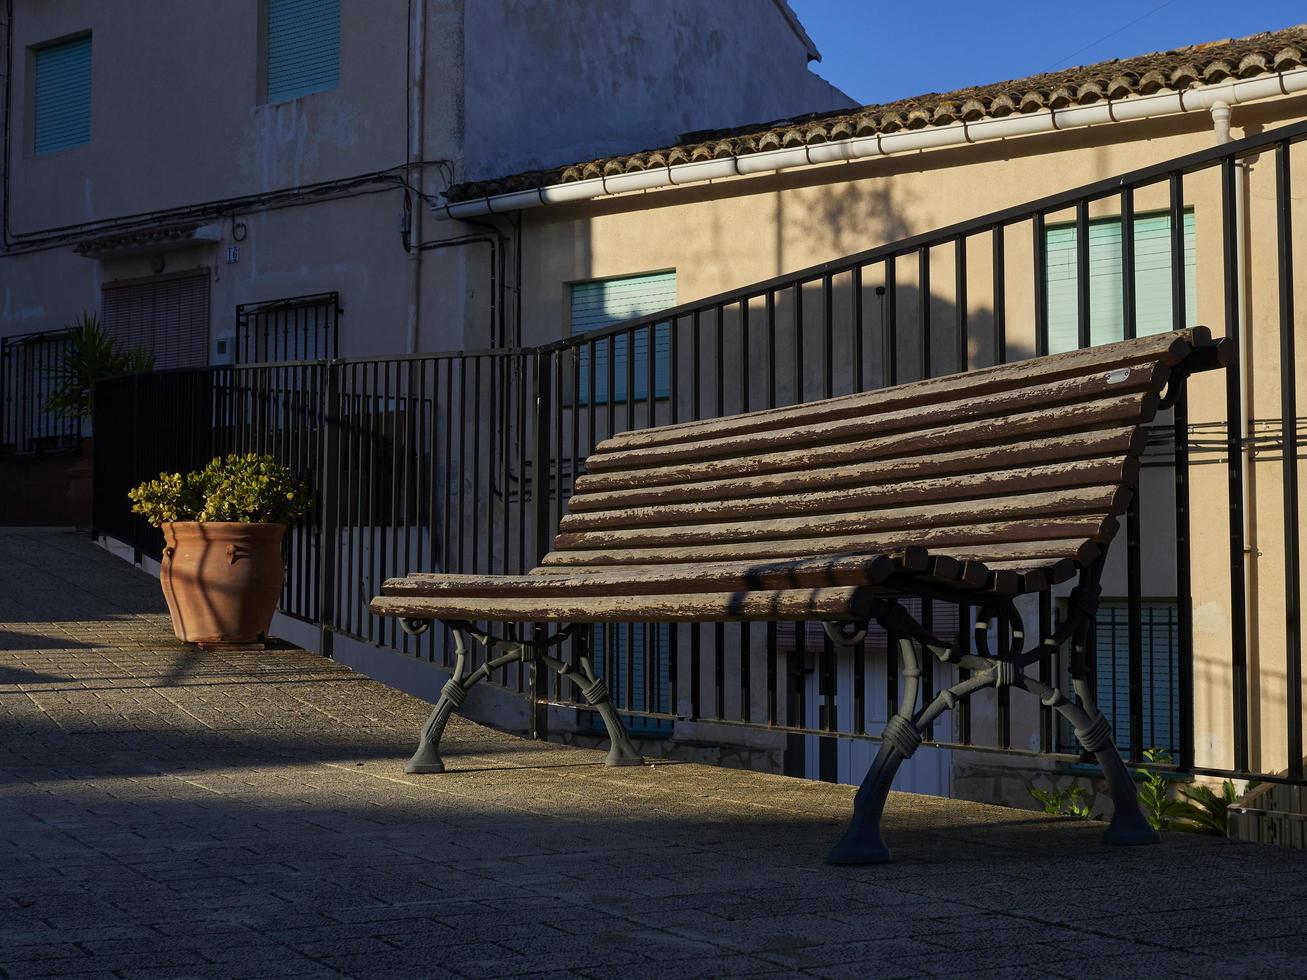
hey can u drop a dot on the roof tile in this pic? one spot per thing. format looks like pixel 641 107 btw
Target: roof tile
pixel 1208 63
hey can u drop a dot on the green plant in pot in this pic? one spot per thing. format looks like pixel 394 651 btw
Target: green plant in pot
pixel 221 569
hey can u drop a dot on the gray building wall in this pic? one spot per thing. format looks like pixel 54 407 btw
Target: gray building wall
pixel 551 83
pixel 179 125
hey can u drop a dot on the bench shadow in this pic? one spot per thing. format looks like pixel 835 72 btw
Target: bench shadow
pixel 14 640
pixel 21 675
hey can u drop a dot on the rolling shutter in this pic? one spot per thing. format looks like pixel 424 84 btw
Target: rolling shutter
pixel 1152 280
pixel 303 45
pixel 620 672
pixel 169 317
pixel 62 100
pixel 596 305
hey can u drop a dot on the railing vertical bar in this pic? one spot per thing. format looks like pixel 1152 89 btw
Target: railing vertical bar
pixel 1234 469
pixel 999 297
pixel 1039 242
pixel 960 300
pixel 828 329
pixel 746 362
pixel 771 349
pixel 928 662
pixel 923 308
pixel 889 327
pixel 1084 325
pixel 1289 439
pixel 1176 198
pixel 798 343
pixel 856 286
pixel 1046 718
pixel 963 710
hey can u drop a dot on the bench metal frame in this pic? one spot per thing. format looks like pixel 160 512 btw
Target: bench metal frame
pixel 532 652
pixel 862 842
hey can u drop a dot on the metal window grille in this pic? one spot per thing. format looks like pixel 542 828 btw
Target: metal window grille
pixel 29 375
pixel 299 328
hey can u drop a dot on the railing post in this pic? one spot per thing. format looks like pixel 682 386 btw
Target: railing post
pixel 328 517
pixel 539 688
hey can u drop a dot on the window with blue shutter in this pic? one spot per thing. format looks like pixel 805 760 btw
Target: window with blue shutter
pixel 62 97
pixel 1152 280
pixel 1161 673
pixel 596 305
pixel 637 682
pixel 303 47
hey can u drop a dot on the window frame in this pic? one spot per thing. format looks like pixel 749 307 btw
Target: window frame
pixel 31 132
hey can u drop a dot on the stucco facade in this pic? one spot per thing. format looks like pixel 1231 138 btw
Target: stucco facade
pixel 312 189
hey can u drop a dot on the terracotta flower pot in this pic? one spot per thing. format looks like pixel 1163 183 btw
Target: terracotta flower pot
pixel 221 579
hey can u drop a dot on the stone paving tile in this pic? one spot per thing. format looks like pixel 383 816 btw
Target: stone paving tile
pixel 166 812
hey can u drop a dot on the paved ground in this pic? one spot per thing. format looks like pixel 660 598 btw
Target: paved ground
pixel 166 812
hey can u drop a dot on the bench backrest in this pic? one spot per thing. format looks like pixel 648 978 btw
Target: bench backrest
pixel 1022 467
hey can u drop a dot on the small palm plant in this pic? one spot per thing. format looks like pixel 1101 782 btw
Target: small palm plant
pixel 1203 809
pixel 92 356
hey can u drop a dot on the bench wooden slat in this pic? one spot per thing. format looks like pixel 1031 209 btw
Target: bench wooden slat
pixel 835 603
pixel 1045 398
pixel 1169 349
pixel 1077 473
pixel 1099 500
pixel 1107 412
pixel 937 538
pixel 1122 441
pixel 669 579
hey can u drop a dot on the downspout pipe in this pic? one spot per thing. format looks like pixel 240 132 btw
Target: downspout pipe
pixel 416 145
pixel 1221 113
pixel 1154 106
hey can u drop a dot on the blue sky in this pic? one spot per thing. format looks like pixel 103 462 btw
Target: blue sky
pixel 878 50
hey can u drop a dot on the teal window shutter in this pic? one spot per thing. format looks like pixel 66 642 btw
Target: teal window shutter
pixel 303 46
pixel 63 95
pixel 1161 673
pixel 1152 280
pixel 596 305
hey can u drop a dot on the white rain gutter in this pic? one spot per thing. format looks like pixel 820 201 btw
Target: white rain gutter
pixel 867 147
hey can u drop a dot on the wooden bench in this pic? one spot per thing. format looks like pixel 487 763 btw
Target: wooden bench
pixel 973 488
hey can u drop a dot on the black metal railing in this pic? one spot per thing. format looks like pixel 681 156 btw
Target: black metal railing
pixel 31 368
pixel 298 328
pixel 464 461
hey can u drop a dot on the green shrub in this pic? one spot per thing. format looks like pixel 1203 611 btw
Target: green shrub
pixel 245 489
pixel 1069 802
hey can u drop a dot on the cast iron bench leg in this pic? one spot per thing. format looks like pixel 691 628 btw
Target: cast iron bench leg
pixel 427 757
pixel 862 842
